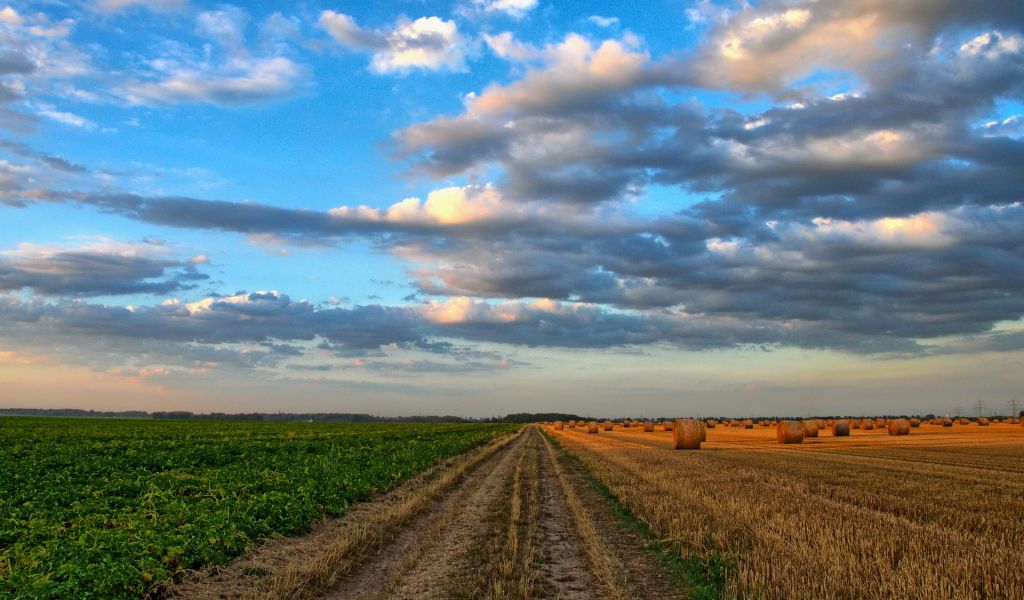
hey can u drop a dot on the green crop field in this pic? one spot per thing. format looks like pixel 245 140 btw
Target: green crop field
pixel 96 508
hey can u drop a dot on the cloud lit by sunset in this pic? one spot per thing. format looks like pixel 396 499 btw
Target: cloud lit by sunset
pixel 483 207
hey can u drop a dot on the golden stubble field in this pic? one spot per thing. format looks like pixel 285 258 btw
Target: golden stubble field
pixel 936 514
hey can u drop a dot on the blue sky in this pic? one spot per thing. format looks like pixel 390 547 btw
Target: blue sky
pixel 668 207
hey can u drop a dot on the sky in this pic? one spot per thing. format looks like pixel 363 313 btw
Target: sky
pixel 478 207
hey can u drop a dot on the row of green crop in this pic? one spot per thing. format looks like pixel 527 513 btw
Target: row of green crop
pixel 93 508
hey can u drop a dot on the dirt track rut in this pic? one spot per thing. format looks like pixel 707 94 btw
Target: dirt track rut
pixel 522 524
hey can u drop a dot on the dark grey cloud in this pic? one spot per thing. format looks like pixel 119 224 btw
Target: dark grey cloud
pixel 270 320
pixel 933 274
pixel 71 273
pixel 54 162
pixel 12 61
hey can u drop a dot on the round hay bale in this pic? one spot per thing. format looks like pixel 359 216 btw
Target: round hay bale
pixel 592 427
pixel 915 422
pixel 687 434
pixel 947 422
pixel 899 427
pixel 608 425
pixel 711 424
pixel 748 424
pixel 867 425
pixel 983 421
pixel 811 428
pixel 764 423
pixel 667 425
pixel 840 428
pixel 1012 420
pixel 648 426
pixel 559 426
pixel 964 421
pixel 790 432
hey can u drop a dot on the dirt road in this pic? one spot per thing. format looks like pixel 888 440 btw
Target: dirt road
pixel 525 524
pixel 517 519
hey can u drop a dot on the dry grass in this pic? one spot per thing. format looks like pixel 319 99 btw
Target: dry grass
pixel 516 575
pixel 938 513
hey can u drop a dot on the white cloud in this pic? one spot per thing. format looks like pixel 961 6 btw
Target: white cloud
pixel 226 27
pixel 10 16
pixel 91 245
pixel 516 9
pixel 992 45
pixel 574 64
pixel 429 43
pixel 767 47
pixel 463 309
pixel 445 206
pixel 181 75
pixel 37 59
pixel 1012 126
pixel 110 6
pixel 65 118
pixel 603 21
pixel 928 230
pixel 236 81
pixel 507 47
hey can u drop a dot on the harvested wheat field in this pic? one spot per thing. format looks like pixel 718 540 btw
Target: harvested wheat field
pixel 938 513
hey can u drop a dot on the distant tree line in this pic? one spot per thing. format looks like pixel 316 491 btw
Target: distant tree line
pixel 343 417
pixel 220 416
pixel 535 417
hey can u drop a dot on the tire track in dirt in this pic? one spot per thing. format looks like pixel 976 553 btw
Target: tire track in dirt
pixel 564 561
pixel 633 572
pixel 424 555
pixel 525 524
